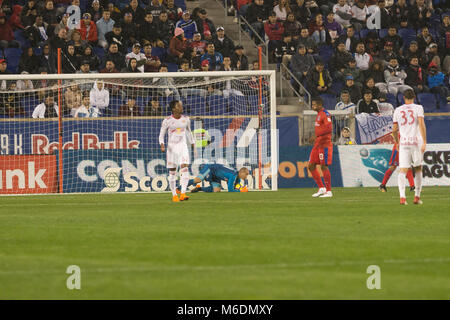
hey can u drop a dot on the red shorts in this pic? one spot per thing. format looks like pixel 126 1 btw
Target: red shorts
pixel 321 155
pixel 394 157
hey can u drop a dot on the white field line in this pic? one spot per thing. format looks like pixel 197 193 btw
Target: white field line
pixel 163 268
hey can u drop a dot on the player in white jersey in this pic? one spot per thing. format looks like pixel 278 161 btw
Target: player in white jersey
pixel 410 124
pixel 179 131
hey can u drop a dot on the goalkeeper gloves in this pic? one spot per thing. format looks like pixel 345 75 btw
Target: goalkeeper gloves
pixel 244 189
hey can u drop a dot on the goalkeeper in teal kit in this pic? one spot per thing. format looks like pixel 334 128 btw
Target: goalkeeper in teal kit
pixel 215 174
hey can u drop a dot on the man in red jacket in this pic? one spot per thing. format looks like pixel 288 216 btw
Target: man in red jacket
pixel 6 32
pixel 322 152
pixel 88 29
pixel 274 30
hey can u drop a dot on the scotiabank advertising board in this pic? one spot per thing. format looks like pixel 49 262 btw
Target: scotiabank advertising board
pixel 28 174
pixel 366 165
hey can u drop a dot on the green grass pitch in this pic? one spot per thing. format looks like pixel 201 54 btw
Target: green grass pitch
pixel 260 245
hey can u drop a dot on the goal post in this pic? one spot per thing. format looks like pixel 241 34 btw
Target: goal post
pixel 107 126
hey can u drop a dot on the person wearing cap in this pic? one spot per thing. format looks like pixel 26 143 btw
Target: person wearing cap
pixel 432 56
pixel 239 60
pixel 104 25
pixel 187 24
pixel 204 24
pixel 367 104
pixel 95 10
pixel 358 75
pixel 138 55
pixel 395 77
pixel 318 79
pixel 223 43
pixel 88 29
pixel 353 90
pixel 116 37
pixel 178 45
pixel 387 52
pixel 215 58
pixel 136 11
pixel 148 30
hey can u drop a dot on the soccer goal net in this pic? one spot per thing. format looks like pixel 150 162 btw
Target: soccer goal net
pixel 99 132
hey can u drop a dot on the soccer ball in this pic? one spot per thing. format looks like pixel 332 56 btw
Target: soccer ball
pixel 238 186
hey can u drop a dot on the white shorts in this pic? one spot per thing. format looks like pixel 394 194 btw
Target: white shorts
pixel 410 156
pixel 177 154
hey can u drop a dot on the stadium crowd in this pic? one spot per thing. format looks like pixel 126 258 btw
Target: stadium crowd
pixel 329 45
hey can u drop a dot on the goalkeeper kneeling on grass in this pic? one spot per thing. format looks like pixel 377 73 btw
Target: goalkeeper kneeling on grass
pixel 215 174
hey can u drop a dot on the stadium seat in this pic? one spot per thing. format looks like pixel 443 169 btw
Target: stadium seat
pixel 337 86
pixel 218 105
pixel 114 105
pixel 13 57
pixel 99 52
pixel 392 99
pixel 159 52
pixel 18 36
pixel 407 35
pixel 363 33
pixel 28 104
pixel 428 101
pixel 325 53
pixel 172 67
pixel 329 101
pixel 382 33
pixel 181 4
pixel 238 104
pixel 195 105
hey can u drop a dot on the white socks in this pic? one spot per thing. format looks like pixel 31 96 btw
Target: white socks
pixel 173 182
pixel 418 183
pixel 184 180
pixel 402 184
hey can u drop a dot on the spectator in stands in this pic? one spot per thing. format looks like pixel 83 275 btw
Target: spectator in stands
pixel 70 62
pixel 343 13
pixel 49 15
pixel 436 82
pixel 24 85
pixel 86 110
pixel 28 62
pixel 63 24
pixel 367 104
pixel 95 10
pixel 116 37
pixel 148 30
pixel 60 41
pixel 385 15
pixel 137 12
pixel 416 77
pixel 369 84
pixel 345 103
pixel 353 90
pixel 256 14
pixel 152 62
pixel 3 72
pixel 116 15
pixel 419 14
pixel 47 109
pixel 197 44
pixel 6 34
pixel 155 7
pixel 132 66
pixel 395 77
pixel 174 12
pixel 88 29
pixel 153 108
pixel 318 79
pixel 301 11
pixel 292 26
pixel 387 53
pixel 399 10
pixel 9 101
pixel 413 51
pixel 189 26
pixel 333 27
pixel 359 13
pixel 339 62
pixel 307 41
pixel 110 67
pixel 138 55
pixel 384 106
pixel 48 59
pixel 89 55
pixel 166 30
pixel 318 31
pixel 222 43
pixel 285 50
pixel 445 42
pixel 301 63
pixel 99 98
pixel 178 45
pixel 395 39
pixel 104 25
pixel 349 39
pixel 165 87
pixel 239 60
pixel 129 29
pixel 356 73
pixel 282 9
pixel 130 109
pixel 432 56
pixel 372 43
pixel 117 57
pixel 424 39
pixel 215 58
pixel 274 31
pixel 78 43
pixel 28 14
pixel 37 33
pixel 362 58
pixel 204 24
pixel 345 138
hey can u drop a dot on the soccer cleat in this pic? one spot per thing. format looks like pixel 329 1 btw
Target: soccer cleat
pixel 320 192
pixel 175 199
pixel 382 188
pixel 196 189
pixel 412 188
pixel 327 194
pixel 403 201
pixel 184 197
pixel 417 200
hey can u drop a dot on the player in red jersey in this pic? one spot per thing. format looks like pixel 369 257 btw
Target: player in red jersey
pixel 322 152
pixel 393 162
